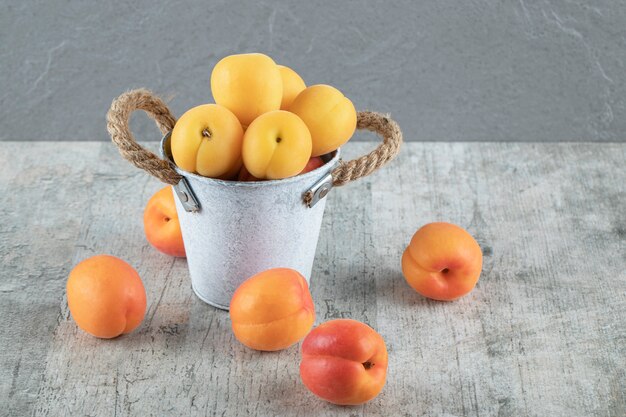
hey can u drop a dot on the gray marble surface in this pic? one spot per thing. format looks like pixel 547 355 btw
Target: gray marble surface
pixel 456 70
pixel 543 333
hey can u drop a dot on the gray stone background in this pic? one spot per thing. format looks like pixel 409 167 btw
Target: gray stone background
pixel 547 70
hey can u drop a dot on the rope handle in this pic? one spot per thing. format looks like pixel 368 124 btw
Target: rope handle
pixel 122 107
pixel 118 127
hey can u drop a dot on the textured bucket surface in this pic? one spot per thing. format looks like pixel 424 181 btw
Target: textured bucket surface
pixel 244 228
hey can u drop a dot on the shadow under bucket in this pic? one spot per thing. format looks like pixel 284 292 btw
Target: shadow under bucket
pixel 233 230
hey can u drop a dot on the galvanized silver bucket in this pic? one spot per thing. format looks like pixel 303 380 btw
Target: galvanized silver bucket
pixel 233 230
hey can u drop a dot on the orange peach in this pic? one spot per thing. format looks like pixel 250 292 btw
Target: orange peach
pixel 106 296
pixel 272 310
pixel 276 145
pixel 160 223
pixel 314 163
pixel 344 362
pixel 442 262
pixel 248 85
pixel 329 115
pixel 293 85
pixel 207 140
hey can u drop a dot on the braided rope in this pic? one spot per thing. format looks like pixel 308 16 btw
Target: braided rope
pixel 385 152
pixel 118 127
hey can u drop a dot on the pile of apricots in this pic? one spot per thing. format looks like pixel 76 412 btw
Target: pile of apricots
pixel 266 124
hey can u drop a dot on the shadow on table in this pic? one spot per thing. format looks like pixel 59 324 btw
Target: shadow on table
pixel 391 287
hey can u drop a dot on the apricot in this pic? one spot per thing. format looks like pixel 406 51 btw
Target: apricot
pixel 106 296
pixel 329 115
pixel 276 145
pixel 314 163
pixel 344 362
pixel 248 85
pixel 207 140
pixel 293 85
pixel 161 225
pixel 442 262
pixel 272 310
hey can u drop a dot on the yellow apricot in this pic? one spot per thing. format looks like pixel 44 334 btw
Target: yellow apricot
pixel 207 140
pixel 276 145
pixel 248 85
pixel 329 115
pixel 293 85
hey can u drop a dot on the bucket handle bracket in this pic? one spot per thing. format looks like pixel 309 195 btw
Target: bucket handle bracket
pixel 319 190
pixel 186 196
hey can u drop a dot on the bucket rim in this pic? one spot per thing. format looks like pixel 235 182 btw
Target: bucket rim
pixel 331 160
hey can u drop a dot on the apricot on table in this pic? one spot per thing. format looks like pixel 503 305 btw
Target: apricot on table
pixel 344 362
pixel 106 296
pixel 207 140
pixel 161 225
pixel 276 145
pixel 443 261
pixel 248 85
pixel 272 310
pixel 293 85
pixel 329 115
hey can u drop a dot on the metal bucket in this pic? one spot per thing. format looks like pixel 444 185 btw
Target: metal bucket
pixel 233 230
